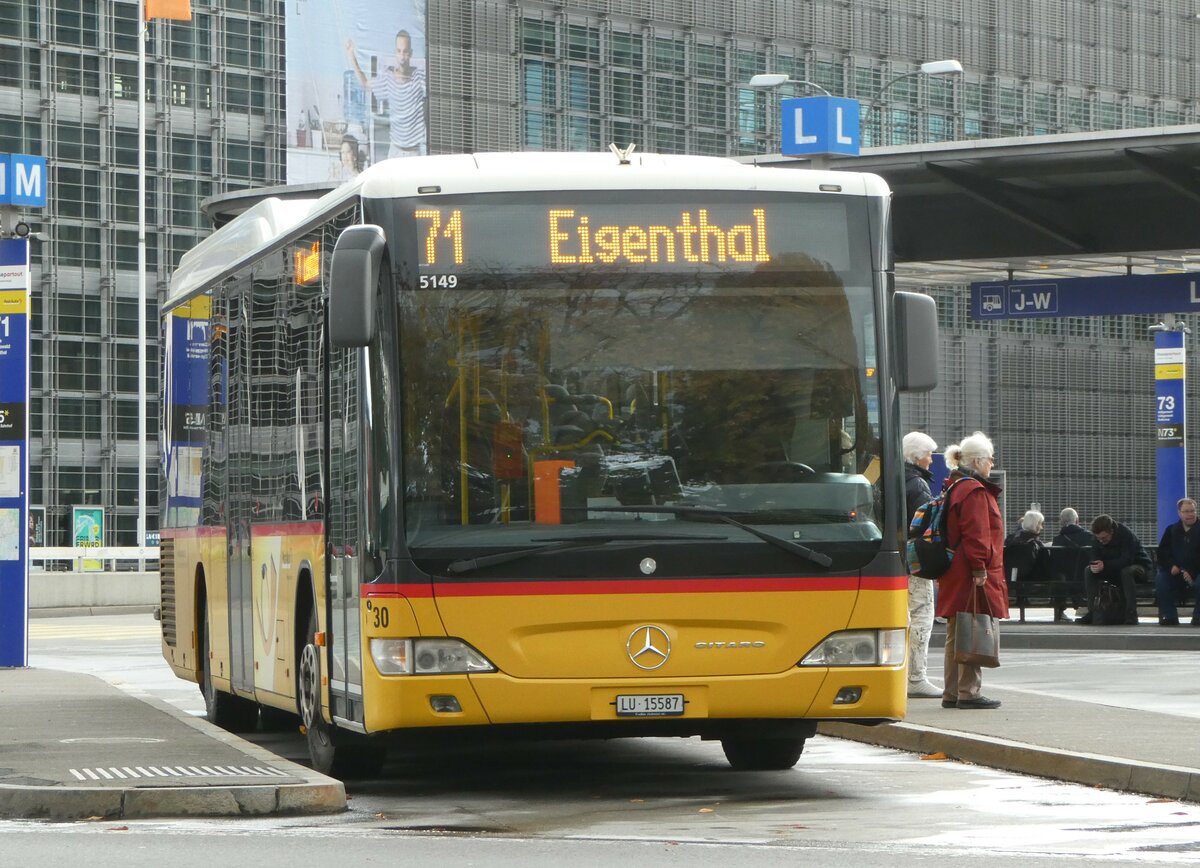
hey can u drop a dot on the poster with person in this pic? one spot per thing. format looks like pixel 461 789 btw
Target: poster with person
pixel 356 87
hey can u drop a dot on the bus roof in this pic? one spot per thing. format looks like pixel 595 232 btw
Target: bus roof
pixel 275 221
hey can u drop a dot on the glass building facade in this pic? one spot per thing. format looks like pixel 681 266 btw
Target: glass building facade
pixel 667 75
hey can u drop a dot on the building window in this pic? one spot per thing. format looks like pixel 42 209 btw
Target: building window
pixel 670 55
pixel 583 43
pixel 537 37
pixel 627 95
pixel 627 50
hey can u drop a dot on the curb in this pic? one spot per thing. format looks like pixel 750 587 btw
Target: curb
pixel 318 794
pixel 76 611
pixel 1171 782
pixel 76 803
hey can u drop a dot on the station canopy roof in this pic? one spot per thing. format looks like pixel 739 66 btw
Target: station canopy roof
pixel 1072 205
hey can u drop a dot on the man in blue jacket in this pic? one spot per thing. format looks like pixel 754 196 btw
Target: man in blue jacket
pixel 1178 564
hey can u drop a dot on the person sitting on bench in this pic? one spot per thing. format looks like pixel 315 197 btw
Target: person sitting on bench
pixel 1178 564
pixel 1026 558
pixel 1120 559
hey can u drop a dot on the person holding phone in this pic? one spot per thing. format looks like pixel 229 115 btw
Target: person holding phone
pixel 1120 559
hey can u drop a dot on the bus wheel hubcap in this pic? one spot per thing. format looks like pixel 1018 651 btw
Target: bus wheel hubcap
pixel 309 688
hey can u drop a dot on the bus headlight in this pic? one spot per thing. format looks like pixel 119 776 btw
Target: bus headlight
pixel 427 657
pixel 859 648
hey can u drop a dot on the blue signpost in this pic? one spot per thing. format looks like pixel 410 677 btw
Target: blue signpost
pixel 1170 420
pixel 22 184
pixel 14 452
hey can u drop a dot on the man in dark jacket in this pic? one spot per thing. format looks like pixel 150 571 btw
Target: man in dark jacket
pixel 1070 553
pixel 1178 564
pixel 1120 559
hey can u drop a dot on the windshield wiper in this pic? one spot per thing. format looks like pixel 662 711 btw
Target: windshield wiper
pixel 819 558
pixel 582 542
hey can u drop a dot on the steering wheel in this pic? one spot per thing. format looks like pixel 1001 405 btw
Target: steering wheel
pixel 786 470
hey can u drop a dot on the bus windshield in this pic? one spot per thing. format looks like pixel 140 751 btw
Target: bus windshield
pixel 543 402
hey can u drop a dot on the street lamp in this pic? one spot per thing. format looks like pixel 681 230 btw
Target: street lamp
pixel 768 80
pixel 930 68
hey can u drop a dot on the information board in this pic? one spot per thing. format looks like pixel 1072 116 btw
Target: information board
pixel 14 452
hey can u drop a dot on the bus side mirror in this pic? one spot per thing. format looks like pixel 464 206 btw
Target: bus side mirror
pixel 353 277
pixel 915 316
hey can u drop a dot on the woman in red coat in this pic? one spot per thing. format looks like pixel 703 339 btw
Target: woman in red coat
pixel 975 580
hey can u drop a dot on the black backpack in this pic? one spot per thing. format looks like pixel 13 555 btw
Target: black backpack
pixel 1110 604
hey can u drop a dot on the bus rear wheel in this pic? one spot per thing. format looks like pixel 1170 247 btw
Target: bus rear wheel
pixel 762 754
pixel 332 751
pixel 224 709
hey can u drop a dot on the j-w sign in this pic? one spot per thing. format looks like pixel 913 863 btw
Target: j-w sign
pixel 22 180
pixel 1087 296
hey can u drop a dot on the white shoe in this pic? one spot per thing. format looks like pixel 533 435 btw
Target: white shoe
pixel 923 690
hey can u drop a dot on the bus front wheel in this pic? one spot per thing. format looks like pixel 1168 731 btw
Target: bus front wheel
pixel 333 752
pixel 762 754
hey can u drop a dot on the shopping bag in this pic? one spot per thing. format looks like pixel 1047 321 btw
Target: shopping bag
pixel 977 639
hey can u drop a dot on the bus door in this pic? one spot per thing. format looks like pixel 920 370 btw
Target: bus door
pixel 240 504
pixel 346 532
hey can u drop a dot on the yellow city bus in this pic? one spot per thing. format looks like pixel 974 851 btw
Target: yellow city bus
pixel 552 444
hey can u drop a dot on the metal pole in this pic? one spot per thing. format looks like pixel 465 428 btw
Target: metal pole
pixel 143 35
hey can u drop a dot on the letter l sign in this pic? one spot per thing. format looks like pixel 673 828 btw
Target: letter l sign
pixel 802 139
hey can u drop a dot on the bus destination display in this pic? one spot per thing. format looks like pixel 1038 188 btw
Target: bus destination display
pixel 472 237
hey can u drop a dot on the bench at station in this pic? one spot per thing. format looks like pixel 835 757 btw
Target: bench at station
pixel 1061 586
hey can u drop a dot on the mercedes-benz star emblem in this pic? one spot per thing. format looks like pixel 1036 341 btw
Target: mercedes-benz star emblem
pixel 649 646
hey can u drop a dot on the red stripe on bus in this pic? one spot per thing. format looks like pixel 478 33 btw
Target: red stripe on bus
pixel 885 583
pixel 634 586
pixel 285 528
pixel 288 528
pixel 190 532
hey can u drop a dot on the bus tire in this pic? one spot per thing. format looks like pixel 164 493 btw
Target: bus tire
pixel 751 754
pixel 224 709
pixel 333 752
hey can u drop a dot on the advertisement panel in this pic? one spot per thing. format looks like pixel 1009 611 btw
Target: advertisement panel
pixel 87 531
pixel 37 527
pixel 187 334
pixel 356 86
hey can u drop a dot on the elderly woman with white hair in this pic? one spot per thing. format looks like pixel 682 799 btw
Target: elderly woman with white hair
pixel 1026 557
pixel 918 451
pixel 975 580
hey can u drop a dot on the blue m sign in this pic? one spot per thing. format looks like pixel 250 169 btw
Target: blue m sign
pixel 22 180
pixel 820 125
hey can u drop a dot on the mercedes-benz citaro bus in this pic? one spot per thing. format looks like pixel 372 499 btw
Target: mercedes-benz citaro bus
pixel 557 444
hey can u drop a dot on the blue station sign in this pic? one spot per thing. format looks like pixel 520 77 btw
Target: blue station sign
pixel 819 125
pixel 1087 296
pixel 23 180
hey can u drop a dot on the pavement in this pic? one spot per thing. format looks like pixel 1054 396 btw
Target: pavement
pixel 73 746
pixel 1127 725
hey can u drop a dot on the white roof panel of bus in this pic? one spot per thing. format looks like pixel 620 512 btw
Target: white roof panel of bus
pixel 533 170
